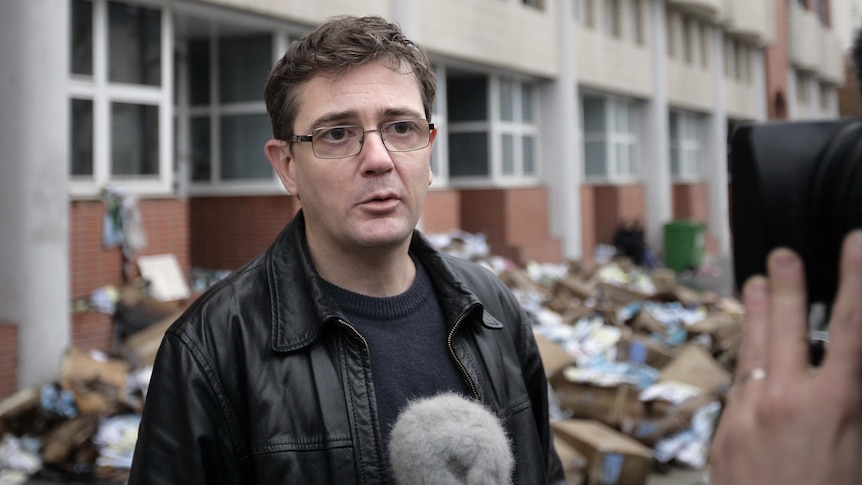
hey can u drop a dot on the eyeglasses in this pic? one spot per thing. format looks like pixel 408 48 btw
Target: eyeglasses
pixel 346 141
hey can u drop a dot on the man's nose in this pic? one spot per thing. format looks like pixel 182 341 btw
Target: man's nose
pixel 375 155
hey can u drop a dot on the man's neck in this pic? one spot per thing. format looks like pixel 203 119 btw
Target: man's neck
pixel 379 272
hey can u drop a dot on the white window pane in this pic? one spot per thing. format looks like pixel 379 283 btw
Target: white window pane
pixel 134 44
pixel 466 99
pixel 507 105
pixel 242 137
pixel 529 155
pixel 244 64
pixel 508 145
pixel 594 159
pixel 594 115
pixel 199 72
pixel 527 103
pixel 134 139
pixel 468 154
pixel 82 37
pixel 82 137
pixel 200 143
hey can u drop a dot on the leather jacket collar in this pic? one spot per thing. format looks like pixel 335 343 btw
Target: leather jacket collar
pixel 300 308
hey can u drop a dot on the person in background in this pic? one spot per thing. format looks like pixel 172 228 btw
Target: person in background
pixel 295 368
pixel 786 422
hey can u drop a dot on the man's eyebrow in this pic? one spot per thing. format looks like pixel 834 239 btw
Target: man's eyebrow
pixel 350 117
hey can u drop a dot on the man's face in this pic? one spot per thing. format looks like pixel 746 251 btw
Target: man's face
pixel 370 200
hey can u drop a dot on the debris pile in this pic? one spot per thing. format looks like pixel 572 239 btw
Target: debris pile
pixel 638 365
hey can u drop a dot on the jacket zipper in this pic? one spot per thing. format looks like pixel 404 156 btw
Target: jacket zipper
pixel 361 337
pixel 455 357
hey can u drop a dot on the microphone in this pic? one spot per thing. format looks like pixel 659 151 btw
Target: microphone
pixel 449 440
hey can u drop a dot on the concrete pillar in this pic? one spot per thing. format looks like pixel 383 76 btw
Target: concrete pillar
pixel 34 158
pixel 716 152
pixel 562 139
pixel 655 162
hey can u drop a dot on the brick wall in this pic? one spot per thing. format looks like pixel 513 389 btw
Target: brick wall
pixel 588 225
pixel 613 204
pixel 442 212
pixel 514 221
pixel 8 359
pixel 691 201
pixel 226 232
pixel 165 224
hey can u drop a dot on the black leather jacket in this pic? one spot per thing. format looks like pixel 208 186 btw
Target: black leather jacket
pixel 263 380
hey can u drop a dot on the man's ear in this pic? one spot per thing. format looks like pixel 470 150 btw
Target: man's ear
pixel 280 157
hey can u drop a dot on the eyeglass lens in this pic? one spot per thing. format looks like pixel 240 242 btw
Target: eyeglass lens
pixel 346 141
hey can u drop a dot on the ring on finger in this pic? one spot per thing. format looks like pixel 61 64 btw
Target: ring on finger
pixel 756 374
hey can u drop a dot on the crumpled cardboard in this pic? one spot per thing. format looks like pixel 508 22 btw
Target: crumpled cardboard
pixel 97 381
pixel 613 458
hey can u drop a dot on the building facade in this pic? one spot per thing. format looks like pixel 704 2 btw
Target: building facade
pixel 558 120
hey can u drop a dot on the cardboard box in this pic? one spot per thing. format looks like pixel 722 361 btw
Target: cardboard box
pixel 574 463
pixel 622 295
pixel 641 349
pixel 141 347
pixel 610 405
pixel 97 381
pixel 695 366
pixel 612 457
pixel 554 357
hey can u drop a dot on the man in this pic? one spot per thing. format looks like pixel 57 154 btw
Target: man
pixel 784 422
pixel 295 368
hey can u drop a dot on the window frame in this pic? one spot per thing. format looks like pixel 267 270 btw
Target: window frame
pixel 689 171
pixel 614 141
pixel 103 93
pixel 216 111
pixel 496 129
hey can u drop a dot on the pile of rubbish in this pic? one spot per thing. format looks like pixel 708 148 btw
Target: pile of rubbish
pixel 638 365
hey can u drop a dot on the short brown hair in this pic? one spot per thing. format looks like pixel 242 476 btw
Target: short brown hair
pixel 332 49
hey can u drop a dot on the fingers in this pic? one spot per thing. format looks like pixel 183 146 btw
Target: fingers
pixel 752 353
pixel 845 340
pixel 787 339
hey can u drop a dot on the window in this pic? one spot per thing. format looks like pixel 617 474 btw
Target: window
pixel 670 33
pixel 492 127
pixel 584 12
pixel 610 138
pixel 826 98
pixel 705 40
pixel 82 137
pixel 687 41
pixel 685 145
pixel 823 12
pixel 120 110
pixel 228 122
pixel 637 21
pixel 613 21
pixel 730 55
pixel 742 63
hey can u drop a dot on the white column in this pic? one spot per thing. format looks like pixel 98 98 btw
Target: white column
pixel 34 158
pixel 561 141
pixel 716 151
pixel 655 166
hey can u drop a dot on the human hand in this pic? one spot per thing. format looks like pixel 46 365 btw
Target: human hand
pixel 786 423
